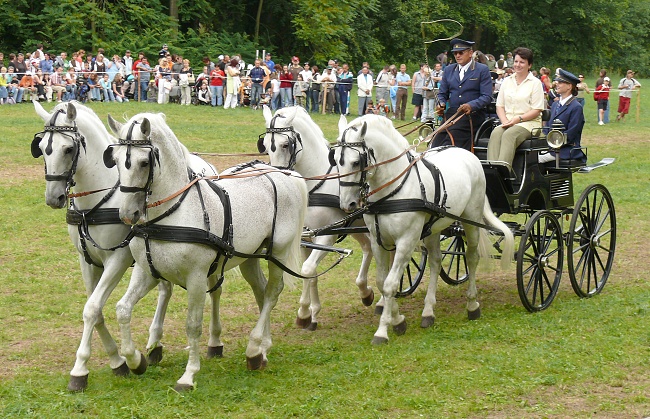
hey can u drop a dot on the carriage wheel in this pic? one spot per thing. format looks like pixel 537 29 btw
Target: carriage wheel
pixel 413 273
pixel 539 261
pixel 453 267
pixel 591 241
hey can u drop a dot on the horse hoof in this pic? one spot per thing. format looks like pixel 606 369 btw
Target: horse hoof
pixel 379 310
pixel 180 388
pixel 155 356
pixel 312 326
pixel 255 363
pixel 400 329
pixel 474 315
pixel 142 367
pixel 77 384
pixel 377 340
pixel 367 300
pixel 427 321
pixel 303 323
pixel 215 351
pixel 122 370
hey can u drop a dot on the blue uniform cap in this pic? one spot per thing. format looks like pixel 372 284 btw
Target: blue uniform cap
pixel 460 45
pixel 567 77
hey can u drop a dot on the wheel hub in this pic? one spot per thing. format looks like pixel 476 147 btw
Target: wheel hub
pixel 543 262
pixel 594 241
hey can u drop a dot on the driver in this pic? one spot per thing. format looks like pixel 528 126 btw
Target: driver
pixel 467 88
pixel 569 111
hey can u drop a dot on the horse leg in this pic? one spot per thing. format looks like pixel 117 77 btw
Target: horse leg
pixel 154 347
pixel 260 338
pixel 215 347
pixel 99 285
pixel 196 289
pixel 382 260
pixel 310 305
pixel 141 283
pixel 435 259
pixel 253 274
pixel 390 315
pixel 365 292
pixel 472 234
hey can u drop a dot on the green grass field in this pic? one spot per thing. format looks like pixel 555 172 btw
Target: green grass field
pixel 578 359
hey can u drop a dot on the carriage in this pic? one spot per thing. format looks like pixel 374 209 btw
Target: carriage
pixel 556 226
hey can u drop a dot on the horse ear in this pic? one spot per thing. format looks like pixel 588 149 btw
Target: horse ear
pixel 72 112
pixel 266 111
pixel 145 127
pixel 260 145
pixel 343 123
pixel 331 157
pixel 40 111
pixel 115 126
pixel 109 161
pixel 364 129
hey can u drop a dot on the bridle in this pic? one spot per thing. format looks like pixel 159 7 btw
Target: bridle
pixel 365 154
pixel 130 142
pixel 292 136
pixel 78 142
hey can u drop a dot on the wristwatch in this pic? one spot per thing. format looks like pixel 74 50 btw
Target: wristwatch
pixel 521 119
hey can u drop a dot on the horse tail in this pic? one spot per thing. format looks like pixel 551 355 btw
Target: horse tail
pixel 294 255
pixel 509 239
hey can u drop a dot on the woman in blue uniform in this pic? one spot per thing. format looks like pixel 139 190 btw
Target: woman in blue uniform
pixel 568 110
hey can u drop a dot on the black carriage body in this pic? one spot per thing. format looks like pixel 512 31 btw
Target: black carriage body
pixel 528 185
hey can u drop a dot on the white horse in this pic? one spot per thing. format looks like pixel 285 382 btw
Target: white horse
pixel 72 146
pixel 404 191
pixel 211 227
pixel 295 142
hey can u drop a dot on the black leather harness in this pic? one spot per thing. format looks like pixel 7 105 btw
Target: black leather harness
pixel 75 216
pixel 223 244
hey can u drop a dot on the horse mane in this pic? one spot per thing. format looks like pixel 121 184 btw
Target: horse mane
pixel 303 118
pixel 163 134
pixel 82 109
pixel 386 127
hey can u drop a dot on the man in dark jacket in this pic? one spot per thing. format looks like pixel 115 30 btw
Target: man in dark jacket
pixel 466 87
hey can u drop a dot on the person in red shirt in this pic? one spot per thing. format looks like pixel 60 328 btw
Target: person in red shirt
pixel 286 87
pixel 217 76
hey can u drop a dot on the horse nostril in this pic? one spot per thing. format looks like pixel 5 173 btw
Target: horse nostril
pixel 353 205
pixel 136 216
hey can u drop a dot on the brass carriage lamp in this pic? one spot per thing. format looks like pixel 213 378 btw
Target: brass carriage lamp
pixel 556 138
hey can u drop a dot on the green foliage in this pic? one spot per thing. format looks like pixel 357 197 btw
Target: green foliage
pixel 582 35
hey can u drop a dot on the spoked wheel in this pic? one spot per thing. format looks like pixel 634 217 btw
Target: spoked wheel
pixel 539 261
pixel 453 268
pixel 413 273
pixel 591 241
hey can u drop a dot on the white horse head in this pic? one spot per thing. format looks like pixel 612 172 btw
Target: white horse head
pixel 70 143
pixel 136 156
pixel 361 143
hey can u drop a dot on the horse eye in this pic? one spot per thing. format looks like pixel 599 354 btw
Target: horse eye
pixel 285 145
pixel 68 150
pixel 144 163
pixel 355 163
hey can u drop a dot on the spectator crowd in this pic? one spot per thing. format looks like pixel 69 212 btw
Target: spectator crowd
pixel 229 83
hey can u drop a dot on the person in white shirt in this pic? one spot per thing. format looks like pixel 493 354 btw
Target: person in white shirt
pixel 519 107
pixel 364 91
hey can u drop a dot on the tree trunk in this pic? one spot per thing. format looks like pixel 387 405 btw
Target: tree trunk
pixel 173 13
pixel 257 23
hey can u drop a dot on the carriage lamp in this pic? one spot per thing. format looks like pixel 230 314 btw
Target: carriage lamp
pixel 556 138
